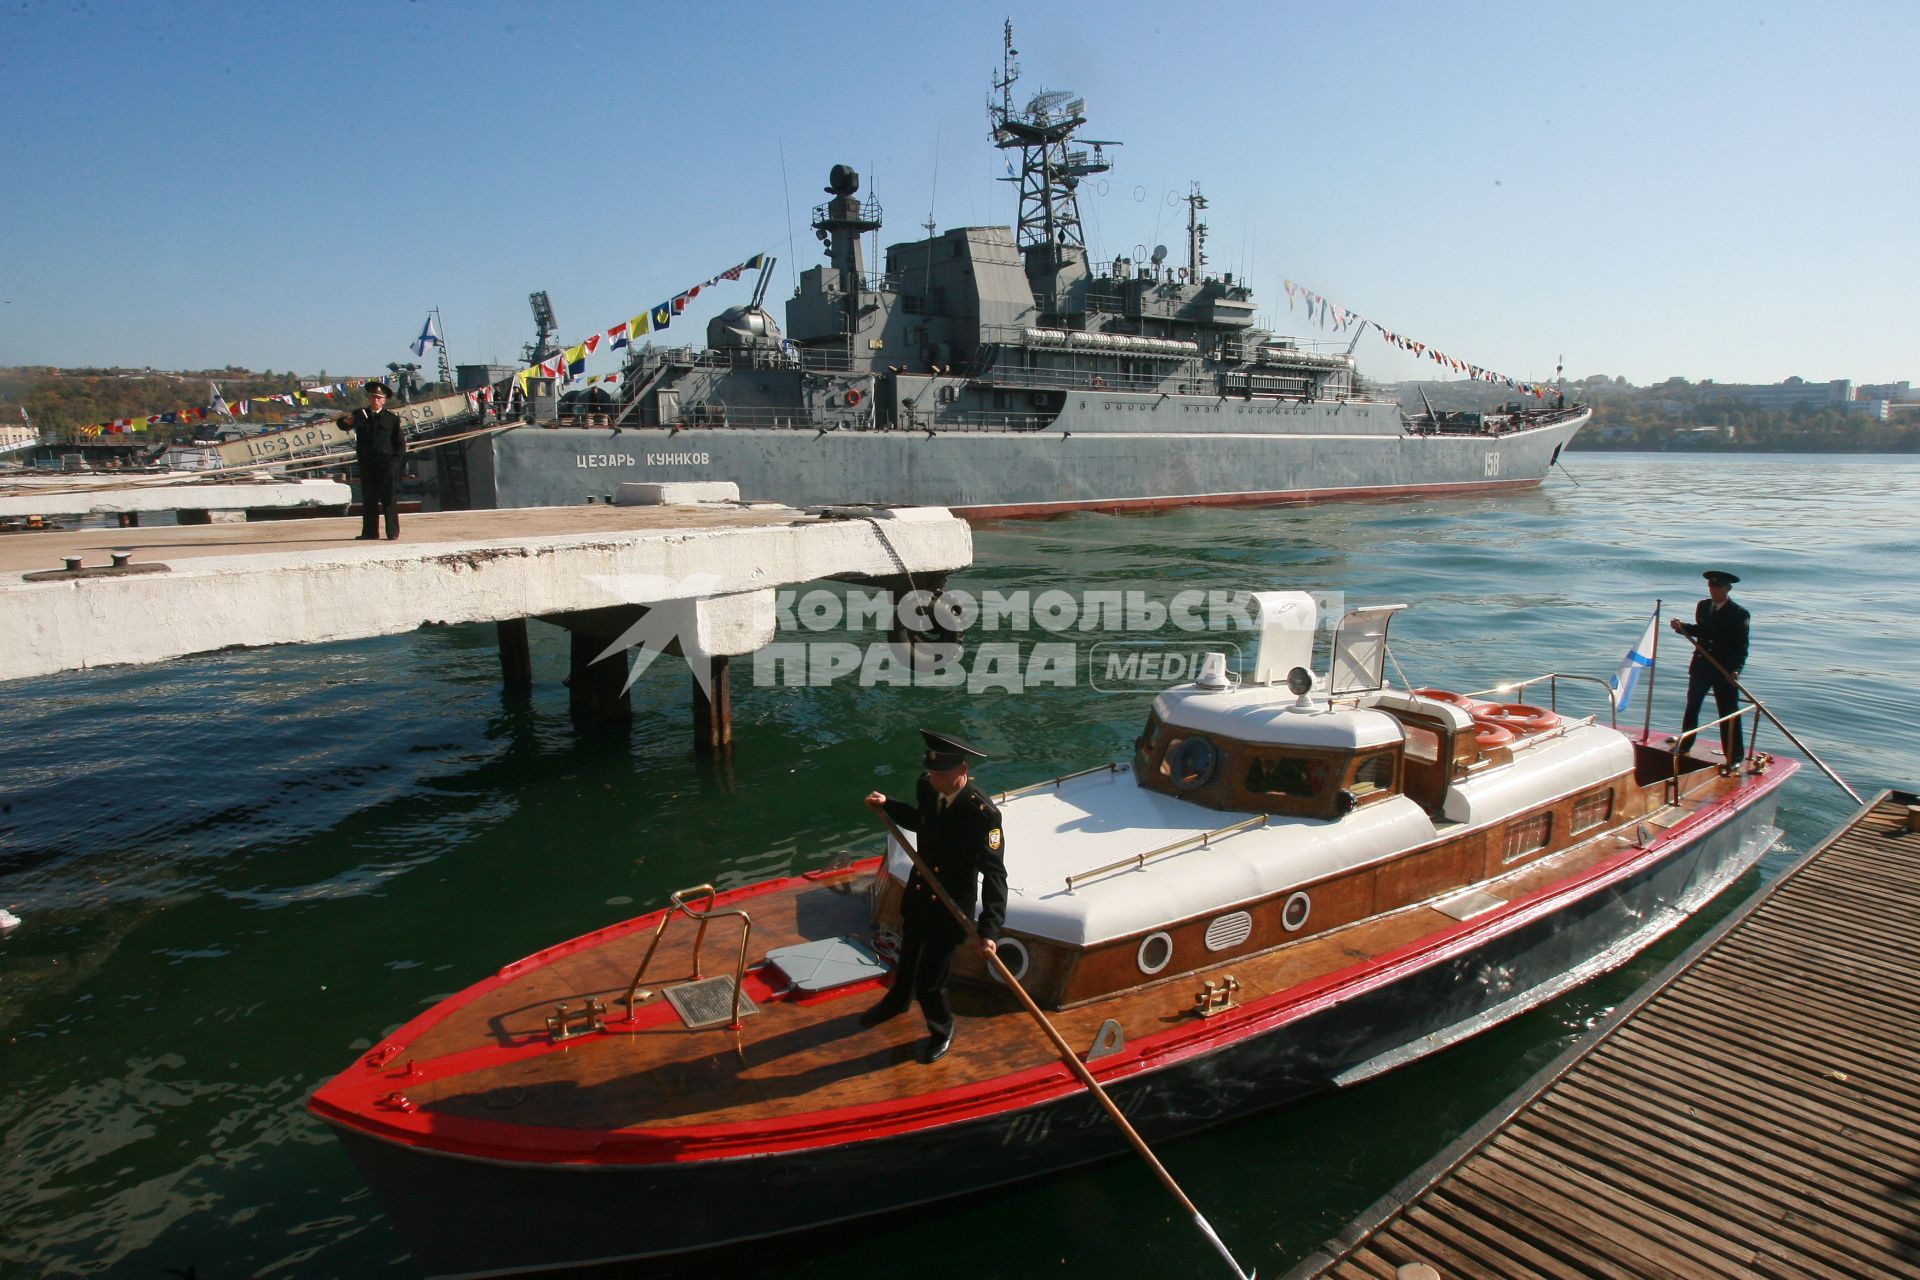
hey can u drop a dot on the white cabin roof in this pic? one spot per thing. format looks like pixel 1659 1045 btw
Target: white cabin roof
pixel 1552 765
pixel 1102 818
pixel 1267 714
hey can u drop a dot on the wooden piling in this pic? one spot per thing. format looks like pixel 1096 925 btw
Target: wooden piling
pixel 596 691
pixel 713 712
pixel 516 655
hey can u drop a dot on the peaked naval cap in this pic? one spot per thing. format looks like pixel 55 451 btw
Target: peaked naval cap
pixel 944 752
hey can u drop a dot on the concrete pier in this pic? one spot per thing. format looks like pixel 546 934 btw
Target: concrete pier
pixel 708 572
pixel 130 497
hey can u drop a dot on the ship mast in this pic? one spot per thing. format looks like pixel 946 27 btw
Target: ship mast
pixel 1050 169
pixel 1196 234
pixel 545 344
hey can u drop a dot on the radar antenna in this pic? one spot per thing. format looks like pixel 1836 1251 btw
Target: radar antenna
pixel 1051 166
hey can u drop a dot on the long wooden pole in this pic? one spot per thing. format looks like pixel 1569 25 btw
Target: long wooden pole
pixel 1067 1055
pixel 1735 682
pixel 1653 670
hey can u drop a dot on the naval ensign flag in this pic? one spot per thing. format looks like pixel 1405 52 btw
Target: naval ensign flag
pixel 429 337
pixel 1638 659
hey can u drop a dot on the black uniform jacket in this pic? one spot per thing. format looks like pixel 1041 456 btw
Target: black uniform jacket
pixel 375 435
pixel 1722 634
pixel 961 846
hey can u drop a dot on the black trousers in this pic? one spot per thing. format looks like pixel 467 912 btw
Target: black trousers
pixel 1726 698
pixel 925 965
pixel 379 487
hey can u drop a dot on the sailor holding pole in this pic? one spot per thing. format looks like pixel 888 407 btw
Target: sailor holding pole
pixel 960 844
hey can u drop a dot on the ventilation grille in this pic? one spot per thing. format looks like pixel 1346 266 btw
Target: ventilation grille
pixel 708 1002
pixel 1229 931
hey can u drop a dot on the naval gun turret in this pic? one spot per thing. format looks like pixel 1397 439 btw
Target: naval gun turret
pixel 750 327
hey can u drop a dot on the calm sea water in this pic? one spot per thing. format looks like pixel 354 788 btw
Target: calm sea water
pixel 236 871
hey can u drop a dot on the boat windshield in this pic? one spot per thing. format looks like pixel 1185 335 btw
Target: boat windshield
pixel 1301 777
pixel 1248 777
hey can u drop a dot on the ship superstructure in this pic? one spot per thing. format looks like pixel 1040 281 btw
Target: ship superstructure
pixel 998 371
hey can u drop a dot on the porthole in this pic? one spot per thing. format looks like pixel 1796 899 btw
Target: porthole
pixel 1013 954
pixel 1293 916
pixel 1229 931
pixel 1156 950
pixel 1191 763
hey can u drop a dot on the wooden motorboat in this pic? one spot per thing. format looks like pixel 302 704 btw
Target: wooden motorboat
pixel 1297 882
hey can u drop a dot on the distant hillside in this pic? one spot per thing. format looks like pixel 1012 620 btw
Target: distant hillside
pixel 61 399
pixel 1685 415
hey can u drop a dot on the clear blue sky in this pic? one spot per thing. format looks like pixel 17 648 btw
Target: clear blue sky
pixel 1722 190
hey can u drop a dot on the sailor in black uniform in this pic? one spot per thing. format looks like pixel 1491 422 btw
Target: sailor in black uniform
pixel 380 449
pixel 1720 627
pixel 960 842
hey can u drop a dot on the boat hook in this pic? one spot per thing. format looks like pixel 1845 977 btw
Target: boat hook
pixel 1067 1055
pixel 1748 694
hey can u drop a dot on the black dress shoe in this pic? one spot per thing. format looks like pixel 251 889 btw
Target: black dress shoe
pixel 882 1011
pixel 936 1047
pixel 366 537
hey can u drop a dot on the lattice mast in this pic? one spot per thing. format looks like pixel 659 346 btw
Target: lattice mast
pixel 546 338
pixel 1196 234
pixel 1051 168
pixel 446 361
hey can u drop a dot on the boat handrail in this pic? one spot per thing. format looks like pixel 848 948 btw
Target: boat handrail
pixel 1675 750
pixel 1553 689
pixel 1203 840
pixel 1110 767
pixel 1480 767
pixel 702 915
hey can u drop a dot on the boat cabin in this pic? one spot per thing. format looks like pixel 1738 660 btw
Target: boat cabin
pixel 1263 807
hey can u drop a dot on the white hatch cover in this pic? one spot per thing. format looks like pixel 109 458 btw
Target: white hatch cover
pixel 1360 650
pixel 826 964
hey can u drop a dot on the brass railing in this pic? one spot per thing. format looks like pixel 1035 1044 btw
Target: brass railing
pixel 678 898
pixel 1113 767
pixel 1201 841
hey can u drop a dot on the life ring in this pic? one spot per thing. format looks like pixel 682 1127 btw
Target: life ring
pixel 1518 716
pixel 1461 700
pixel 853 395
pixel 1488 734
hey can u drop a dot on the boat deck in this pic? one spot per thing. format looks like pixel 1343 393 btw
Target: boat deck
pixel 805 1068
pixel 1755 1111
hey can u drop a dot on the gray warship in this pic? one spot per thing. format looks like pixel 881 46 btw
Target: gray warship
pixel 998 372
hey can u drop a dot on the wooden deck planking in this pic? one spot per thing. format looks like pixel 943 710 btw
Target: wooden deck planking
pixel 1754 1112
pixel 796 1059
